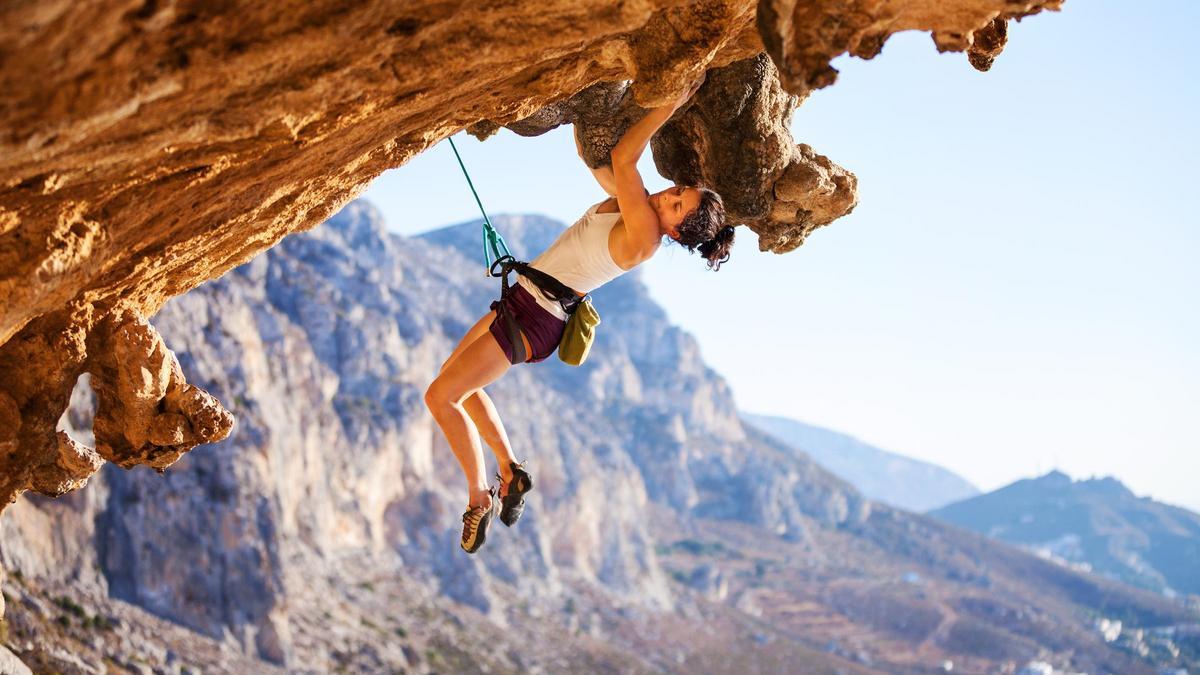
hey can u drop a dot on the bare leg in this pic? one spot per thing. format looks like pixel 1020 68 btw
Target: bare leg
pixel 487 420
pixel 481 363
pixel 479 405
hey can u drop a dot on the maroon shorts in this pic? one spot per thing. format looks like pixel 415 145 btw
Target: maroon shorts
pixel 543 329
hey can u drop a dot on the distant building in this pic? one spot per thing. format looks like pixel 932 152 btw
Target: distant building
pixel 1110 629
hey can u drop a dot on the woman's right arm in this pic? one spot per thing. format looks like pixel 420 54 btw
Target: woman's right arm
pixel 641 222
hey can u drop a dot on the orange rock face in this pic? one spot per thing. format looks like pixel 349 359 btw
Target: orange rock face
pixel 147 146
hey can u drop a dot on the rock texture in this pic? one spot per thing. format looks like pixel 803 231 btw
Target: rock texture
pixel 148 146
pixel 733 137
pixel 736 140
pixel 11 665
pixel 147 413
pixel 803 37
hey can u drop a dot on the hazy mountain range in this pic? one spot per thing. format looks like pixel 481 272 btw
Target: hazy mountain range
pixel 881 475
pixel 1097 524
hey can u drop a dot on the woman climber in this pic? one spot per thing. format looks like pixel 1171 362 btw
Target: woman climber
pixel 610 239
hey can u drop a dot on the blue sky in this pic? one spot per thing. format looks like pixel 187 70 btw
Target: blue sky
pixel 1017 288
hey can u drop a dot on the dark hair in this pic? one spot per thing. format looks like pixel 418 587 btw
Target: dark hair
pixel 705 229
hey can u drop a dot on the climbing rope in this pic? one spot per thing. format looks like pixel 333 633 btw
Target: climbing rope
pixel 493 243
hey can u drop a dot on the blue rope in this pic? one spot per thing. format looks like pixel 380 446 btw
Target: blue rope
pixel 491 238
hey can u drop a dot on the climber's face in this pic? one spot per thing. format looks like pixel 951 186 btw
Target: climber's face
pixel 672 206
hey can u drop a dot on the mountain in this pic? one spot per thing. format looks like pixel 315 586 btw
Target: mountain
pixel 1097 524
pixel 881 475
pixel 322 534
pixel 324 347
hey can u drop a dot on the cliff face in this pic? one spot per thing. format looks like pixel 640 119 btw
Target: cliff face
pixel 324 346
pixel 148 146
pixel 322 533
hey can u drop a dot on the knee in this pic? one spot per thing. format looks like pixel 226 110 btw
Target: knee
pixel 435 399
pixel 438 398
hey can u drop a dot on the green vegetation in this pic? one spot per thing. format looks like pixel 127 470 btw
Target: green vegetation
pixel 697 548
pixel 99 623
pixel 401 632
pixel 71 607
pixel 453 659
pixel 367 586
pixel 358 404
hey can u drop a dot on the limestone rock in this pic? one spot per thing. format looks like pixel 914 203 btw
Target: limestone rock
pixel 147 413
pixel 735 139
pixel 987 43
pixel 803 37
pixel 732 137
pixel 73 465
pixel 11 665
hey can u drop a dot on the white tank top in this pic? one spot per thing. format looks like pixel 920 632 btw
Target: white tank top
pixel 579 258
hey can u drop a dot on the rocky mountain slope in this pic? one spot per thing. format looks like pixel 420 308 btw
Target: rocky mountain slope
pixel 322 534
pixel 1097 524
pixel 147 146
pixel 878 474
pixel 324 345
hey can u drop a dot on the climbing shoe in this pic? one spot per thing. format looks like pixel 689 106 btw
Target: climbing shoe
pixel 475 523
pixel 513 493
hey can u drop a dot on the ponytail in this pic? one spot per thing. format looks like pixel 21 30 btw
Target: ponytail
pixel 704 229
pixel 716 250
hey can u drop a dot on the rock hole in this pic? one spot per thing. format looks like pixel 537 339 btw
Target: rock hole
pixel 403 27
pixel 144 12
pixel 77 419
pixel 33 181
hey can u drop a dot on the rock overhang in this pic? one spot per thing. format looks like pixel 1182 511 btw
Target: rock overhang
pixel 147 147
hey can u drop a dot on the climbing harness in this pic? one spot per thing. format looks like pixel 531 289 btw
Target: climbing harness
pixel 580 328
